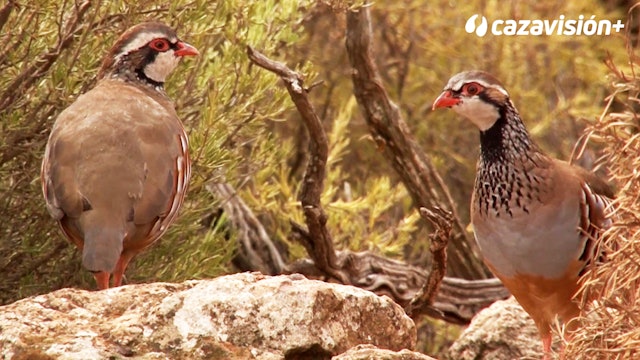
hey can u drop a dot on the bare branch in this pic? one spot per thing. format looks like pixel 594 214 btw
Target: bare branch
pixel 41 65
pixel 387 126
pixel 442 221
pixel 5 12
pixel 457 301
pixel 320 244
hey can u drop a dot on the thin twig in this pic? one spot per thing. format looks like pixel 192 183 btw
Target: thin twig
pixel 41 65
pixel 442 221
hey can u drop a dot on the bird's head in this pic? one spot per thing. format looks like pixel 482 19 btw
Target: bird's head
pixel 150 51
pixel 476 95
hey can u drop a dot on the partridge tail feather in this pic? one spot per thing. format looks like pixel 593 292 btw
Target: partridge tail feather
pixel 102 249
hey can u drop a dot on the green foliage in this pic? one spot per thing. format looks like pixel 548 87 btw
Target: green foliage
pixel 244 130
pixel 222 100
pixel 362 218
pixel 557 82
pixel 226 132
pixel 358 219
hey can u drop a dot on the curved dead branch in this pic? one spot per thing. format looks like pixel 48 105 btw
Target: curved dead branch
pixel 394 137
pixel 457 301
pixel 318 243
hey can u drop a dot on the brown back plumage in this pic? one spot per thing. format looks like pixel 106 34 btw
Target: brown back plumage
pixel 535 218
pixel 116 166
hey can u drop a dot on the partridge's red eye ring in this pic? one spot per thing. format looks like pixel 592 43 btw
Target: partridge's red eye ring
pixel 472 89
pixel 160 45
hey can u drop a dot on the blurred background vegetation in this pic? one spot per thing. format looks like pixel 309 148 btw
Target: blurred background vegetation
pixel 244 130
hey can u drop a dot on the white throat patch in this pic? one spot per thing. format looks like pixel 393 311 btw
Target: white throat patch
pixel 482 114
pixel 163 65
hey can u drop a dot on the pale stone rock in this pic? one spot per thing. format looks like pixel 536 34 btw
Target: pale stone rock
pixel 241 316
pixel 370 352
pixel 503 331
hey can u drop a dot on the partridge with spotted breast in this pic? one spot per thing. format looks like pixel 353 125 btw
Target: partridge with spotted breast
pixel 116 166
pixel 535 218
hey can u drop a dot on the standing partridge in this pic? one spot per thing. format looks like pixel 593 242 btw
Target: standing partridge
pixel 116 167
pixel 535 218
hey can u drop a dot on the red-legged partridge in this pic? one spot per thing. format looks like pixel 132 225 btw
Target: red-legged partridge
pixel 116 167
pixel 535 218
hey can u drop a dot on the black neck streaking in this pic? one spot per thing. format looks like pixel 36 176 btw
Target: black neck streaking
pixel 130 67
pixel 511 169
pixel 507 139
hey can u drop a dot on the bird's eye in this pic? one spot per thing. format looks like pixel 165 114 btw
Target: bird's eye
pixel 161 45
pixel 471 88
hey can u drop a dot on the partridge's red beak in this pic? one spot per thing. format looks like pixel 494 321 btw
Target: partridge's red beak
pixel 185 49
pixel 446 99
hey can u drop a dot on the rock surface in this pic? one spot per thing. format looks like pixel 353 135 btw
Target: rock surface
pixel 503 331
pixel 370 352
pixel 241 316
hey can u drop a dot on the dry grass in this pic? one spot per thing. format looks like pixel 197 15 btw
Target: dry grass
pixel 611 327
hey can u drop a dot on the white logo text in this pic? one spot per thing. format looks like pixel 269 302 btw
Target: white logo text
pixel 560 26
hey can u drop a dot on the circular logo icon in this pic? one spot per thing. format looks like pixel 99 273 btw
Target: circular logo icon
pixel 481 30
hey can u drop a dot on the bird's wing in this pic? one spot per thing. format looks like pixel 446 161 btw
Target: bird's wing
pixel 595 213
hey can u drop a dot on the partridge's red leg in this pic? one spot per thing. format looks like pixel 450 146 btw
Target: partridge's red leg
pixel 102 279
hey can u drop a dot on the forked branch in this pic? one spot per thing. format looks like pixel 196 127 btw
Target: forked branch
pixel 451 299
